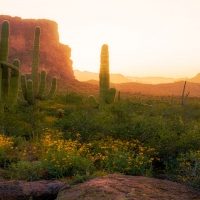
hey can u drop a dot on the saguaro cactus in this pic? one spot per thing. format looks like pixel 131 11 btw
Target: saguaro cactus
pixel 8 80
pixel 184 97
pixel 106 95
pixel 31 89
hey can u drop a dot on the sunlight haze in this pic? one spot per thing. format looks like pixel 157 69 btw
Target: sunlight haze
pixel 145 37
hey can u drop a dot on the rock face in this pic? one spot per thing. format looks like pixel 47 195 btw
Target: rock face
pixel 38 190
pixel 118 187
pixel 54 57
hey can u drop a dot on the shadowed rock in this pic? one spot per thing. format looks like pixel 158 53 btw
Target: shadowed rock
pixel 38 190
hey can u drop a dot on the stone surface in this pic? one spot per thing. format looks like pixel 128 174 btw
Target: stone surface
pixel 123 187
pixel 38 190
pixel 54 57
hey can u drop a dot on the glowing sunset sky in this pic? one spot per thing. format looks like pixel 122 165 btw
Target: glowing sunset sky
pixel 145 37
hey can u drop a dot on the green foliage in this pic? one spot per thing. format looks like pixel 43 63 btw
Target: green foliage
pixel 61 163
pixel 24 170
pixel 189 168
pixel 94 141
pixel 74 98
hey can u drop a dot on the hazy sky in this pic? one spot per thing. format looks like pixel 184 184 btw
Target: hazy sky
pixel 145 37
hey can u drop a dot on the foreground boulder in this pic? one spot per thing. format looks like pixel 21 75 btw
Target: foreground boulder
pixel 118 187
pixel 37 190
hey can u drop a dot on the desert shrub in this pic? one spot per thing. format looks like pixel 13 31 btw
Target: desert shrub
pixel 61 163
pixel 61 157
pixel 188 170
pixel 67 157
pixel 74 98
pixel 25 170
pixel 86 124
pixel 128 157
pixel 6 148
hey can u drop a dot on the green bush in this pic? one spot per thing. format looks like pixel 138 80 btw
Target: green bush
pixel 61 163
pixel 24 170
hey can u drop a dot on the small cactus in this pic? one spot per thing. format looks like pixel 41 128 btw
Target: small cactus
pixel 106 95
pixel 60 113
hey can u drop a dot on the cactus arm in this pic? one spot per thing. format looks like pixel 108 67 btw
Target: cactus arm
pixel 34 72
pixel 8 65
pixel 5 78
pixel 22 102
pixel 4 41
pixel 42 85
pixel 52 90
pixel 93 102
pixel 14 84
pixel 30 93
pixel 24 86
pixel 110 96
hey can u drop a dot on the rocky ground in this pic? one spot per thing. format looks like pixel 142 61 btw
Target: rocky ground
pixel 110 187
pixel 123 187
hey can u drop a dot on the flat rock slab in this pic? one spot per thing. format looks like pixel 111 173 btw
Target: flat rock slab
pixel 123 187
pixel 37 190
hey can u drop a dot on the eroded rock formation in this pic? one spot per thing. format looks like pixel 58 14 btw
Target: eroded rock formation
pixel 54 57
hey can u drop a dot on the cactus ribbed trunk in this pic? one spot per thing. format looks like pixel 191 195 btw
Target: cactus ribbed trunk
pixel 106 94
pixel 104 76
pixel 8 81
pixel 34 72
pixel 4 57
pixel 14 84
pixel 42 84
pixel 0 84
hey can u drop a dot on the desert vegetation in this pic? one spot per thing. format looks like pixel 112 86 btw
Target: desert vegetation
pixel 67 137
pixel 139 135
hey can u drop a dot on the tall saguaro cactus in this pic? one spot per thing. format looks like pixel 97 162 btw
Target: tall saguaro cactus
pixel 106 95
pixel 35 62
pixel 31 89
pixel 8 79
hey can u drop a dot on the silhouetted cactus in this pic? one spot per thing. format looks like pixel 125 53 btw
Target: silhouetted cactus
pixel 30 88
pixel 106 95
pixel 8 81
pixel 184 97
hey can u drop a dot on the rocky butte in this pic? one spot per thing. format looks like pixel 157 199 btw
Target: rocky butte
pixel 54 57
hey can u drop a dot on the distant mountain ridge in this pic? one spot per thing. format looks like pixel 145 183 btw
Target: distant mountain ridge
pixel 86 76
pixel 119 78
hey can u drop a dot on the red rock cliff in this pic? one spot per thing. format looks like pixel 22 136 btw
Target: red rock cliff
pixel 54 57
